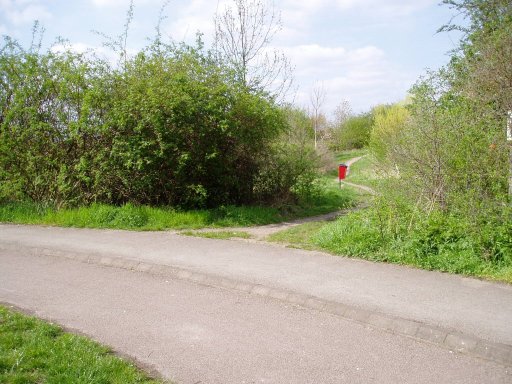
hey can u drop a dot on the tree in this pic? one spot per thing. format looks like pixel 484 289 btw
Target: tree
pixel 317 99
pixel 484 63
pixel 353 132
pixel 243 34
pixel 342 113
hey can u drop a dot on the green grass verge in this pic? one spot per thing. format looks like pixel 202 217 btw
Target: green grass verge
pixel 223 235
pixel 299 236
pixel 327 199
pixel 364 172
pixel 32 351
pixel 431 245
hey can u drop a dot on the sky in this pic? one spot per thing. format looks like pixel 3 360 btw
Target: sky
pixel 366 52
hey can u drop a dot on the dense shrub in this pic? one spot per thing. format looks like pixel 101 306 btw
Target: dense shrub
pixel 289 169
pixel 442 242
pixel 170 126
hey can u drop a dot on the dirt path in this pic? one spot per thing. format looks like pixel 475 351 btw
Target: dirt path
pixel 365 188
pixel 261 232
pixel 349 162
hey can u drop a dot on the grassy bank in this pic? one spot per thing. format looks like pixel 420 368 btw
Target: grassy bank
pixel 327 199
pixel 434 245
pixel 404 236
pixel 32 351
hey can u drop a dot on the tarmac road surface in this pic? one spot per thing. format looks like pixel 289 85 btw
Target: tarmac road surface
pixel 193 329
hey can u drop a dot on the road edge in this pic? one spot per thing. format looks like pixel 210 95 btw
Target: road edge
pixel 443 337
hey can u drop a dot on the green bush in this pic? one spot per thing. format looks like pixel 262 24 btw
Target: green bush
pixel 170 126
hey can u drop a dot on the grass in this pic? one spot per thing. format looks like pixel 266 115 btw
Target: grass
pixel 326 199
pixel 223 235
pixel 448 246
pixel 350 154
pixel 444 245
pixel 136 217
pixel 357 235
pixel 33 351
pixel 299 236
pixel 363 172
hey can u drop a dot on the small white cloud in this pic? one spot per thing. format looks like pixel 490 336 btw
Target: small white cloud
pixel 186 28
pixel 197 15
pixel 111 3
pixel 17 12
pixel 124 4
pixel 362 75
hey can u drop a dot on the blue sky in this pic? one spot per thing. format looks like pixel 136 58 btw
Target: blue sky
pixel 367 52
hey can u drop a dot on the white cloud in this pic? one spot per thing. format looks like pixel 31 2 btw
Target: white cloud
pixel 17 12
pixel 302 11
pixel 92 51
pixel 362 75
pixel 315 60
pixel 391 8
pixel 197 15
pixel 186 28
pixel 110 3
pixel 122 3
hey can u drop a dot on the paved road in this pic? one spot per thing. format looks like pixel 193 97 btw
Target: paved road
pixel 199 332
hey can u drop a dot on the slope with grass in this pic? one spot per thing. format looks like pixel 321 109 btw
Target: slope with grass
pixel 439 243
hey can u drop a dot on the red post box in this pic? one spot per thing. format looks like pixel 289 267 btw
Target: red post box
pixel 342 171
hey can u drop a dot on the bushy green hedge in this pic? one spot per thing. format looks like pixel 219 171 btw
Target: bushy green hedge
pixel 170 126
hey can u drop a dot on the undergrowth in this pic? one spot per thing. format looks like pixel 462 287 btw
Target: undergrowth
pixel 447 244
pixel 142 217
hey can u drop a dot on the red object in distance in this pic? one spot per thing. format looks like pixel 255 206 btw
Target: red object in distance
pixel 342 171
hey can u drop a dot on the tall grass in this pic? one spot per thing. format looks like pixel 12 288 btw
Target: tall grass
pixel 147 218
pixel 446 244
pixel 142 217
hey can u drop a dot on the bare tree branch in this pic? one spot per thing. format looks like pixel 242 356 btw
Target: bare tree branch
pixel 243 34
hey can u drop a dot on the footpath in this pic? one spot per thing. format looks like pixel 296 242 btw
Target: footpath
pixel 459 314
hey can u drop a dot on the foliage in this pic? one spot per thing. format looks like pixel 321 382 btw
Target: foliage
pixel 353 132
pixel 291 168
pixel 168 126
pixel 441 242
pixel 143 217
pixel 32 351
pixel 444 203
pixel 388 124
